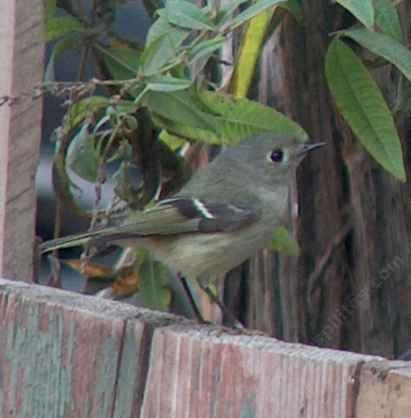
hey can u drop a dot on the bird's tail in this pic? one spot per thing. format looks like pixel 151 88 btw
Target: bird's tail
pixel 68 241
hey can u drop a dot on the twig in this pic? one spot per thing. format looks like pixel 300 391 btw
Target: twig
pixel 314 281
pixel 83 60
pixel 60 88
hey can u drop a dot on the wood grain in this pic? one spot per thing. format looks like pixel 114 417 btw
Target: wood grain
pixel 385 390
pixel 65 355
pixel 203 372
pixel 21 69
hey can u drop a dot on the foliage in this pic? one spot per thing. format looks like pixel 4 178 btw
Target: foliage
pixel 362 104
pixel 151 99
pixel 357 96
pixel 163 76
pixel 147 99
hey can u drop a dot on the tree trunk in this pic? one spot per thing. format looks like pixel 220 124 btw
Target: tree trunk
pixel 350 286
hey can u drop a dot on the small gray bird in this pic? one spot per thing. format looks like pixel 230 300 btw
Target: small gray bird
pixel 221 217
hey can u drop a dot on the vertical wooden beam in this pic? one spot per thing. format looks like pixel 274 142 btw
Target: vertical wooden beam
pixel 21 68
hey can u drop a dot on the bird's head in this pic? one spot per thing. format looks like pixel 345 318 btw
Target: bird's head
pixel 273 155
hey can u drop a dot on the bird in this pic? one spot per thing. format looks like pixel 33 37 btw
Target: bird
pixel 223 215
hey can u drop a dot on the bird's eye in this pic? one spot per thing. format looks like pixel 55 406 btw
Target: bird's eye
pixel 277 155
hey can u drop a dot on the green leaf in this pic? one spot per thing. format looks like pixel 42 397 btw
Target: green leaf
pixel 249 53
pixel 122 61
pixel 182 107
pixel 387 19
pixel 284 242
pixel 162 27
pixel 258 7
pixel 57 27
pixel 201 53
pixel 187 15
pixel 81 155
pixel 363 10
pixel 188 114
pixel 125 107
pixel 168 83
pixel 172 141
pixel 252 41
pixel 206 48
pixel 384 46
pixel 361 103
pixel 240 117
pixel 81 109
pixel 158 53
pixel 154 282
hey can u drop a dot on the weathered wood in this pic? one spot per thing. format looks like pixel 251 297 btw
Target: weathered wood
pixel 65 355
pixel 207 373
pixel 385 390
pixel 133 367
pixel 21 68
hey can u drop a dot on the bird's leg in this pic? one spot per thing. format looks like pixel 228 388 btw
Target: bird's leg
pixel 191 300
pixel 230 316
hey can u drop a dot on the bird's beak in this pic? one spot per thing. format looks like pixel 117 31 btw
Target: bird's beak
pixel 305 148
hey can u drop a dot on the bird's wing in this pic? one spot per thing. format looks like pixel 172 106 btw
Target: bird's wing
pixel 177 215
pixel 203 215
pixel 183 215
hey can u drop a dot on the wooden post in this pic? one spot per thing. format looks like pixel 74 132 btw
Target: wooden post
pixel 65 355
pixel 21 68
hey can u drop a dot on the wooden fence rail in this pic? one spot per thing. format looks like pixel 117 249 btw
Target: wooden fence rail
pixel 69 355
